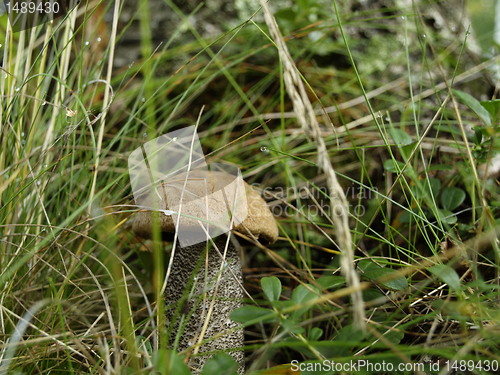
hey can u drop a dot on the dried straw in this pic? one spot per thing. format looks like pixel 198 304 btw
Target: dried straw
pixel 307 119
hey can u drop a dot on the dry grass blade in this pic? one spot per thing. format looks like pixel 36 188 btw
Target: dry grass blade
pixel 307 119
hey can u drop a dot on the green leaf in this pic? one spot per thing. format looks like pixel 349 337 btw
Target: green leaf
pixel 330 282
pixel 478 135
pixel 395 335
pixel 452 197
pixel 393 166
pixel 144 344
pixel 281 305
pixel 302 295
pixel 435 185
pixel 348 339
pixel 408 149
pixel 458 310
pixel 365 265
pixel 424 189
pixel 493 107
pixel 271 287
pixel 384 276
pixel 446 216
pixel 252 315
pixel 292 326
pixel 169 362
pixel 474 105
pixel 407 217
pixel 371 294
pixel 315 334
pixel 446 274
pixel 400 137
pixel 220 364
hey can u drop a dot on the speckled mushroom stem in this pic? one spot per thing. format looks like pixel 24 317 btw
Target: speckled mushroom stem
pixel 191 288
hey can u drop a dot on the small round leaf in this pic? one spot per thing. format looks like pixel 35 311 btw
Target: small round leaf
pixel 452 197
pixel 220 364
pixel 271 287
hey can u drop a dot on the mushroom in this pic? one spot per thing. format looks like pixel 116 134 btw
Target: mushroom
pixel 206 277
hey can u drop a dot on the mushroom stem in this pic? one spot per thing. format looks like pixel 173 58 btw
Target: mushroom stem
pixel 204 287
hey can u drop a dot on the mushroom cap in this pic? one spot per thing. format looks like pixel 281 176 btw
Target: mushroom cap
pixel 252 217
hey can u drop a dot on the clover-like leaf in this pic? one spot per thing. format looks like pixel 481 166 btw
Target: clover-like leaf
pixel 271 287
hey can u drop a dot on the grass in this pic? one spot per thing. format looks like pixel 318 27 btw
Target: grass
pixel 79 294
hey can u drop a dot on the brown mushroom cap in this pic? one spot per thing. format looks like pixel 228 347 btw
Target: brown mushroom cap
pixel 258 222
